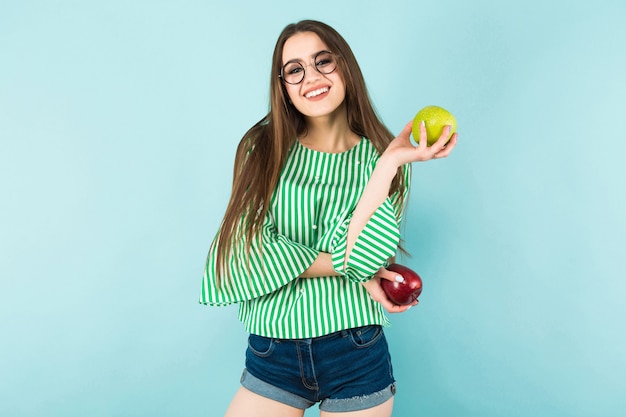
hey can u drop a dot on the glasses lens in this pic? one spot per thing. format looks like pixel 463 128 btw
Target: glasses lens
pixel 325 62
pixel 293 72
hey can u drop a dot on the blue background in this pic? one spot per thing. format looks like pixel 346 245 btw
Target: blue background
pixel 118 126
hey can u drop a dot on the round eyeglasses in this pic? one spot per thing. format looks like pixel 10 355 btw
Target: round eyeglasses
pixel 293 71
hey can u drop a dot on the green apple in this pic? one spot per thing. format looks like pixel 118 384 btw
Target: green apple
pixel 435 118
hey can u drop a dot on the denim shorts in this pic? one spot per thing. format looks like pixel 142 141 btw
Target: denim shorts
pixel 344 371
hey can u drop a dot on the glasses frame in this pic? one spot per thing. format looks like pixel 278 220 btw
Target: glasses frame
pixel 304 67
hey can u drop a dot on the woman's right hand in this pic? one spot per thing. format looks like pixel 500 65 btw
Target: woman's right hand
pixel 377 294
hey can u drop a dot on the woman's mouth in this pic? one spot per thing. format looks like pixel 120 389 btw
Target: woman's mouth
pixel 317 93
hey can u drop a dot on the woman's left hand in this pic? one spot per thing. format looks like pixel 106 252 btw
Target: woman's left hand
pixel 402 150
pixel 375 291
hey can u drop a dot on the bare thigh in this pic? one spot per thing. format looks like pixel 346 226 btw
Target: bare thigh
pixel 383 410
pixel 246 403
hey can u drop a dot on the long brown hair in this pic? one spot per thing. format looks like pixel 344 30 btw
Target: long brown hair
pixel 263 150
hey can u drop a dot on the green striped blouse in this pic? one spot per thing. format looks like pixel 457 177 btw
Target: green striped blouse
pixel 310 212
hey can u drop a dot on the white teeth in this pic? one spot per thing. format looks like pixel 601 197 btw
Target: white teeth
pixel 316 92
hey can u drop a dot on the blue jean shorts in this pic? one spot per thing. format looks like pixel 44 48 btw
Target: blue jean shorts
pixel 344 371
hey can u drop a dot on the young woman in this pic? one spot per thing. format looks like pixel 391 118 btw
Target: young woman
pixel 318 192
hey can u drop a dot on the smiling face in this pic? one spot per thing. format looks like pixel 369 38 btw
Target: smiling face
pixel 318 94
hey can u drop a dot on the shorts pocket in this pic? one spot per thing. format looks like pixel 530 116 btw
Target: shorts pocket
pixel 261 346
pixel 362 337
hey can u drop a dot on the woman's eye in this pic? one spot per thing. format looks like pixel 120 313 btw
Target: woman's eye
pixel 293 69
pixel 324 59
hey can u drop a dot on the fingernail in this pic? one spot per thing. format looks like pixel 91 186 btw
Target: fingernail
pixel 422 123
pixel 399 278
pixel 409 308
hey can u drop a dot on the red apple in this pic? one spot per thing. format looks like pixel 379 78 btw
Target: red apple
pixel 402 293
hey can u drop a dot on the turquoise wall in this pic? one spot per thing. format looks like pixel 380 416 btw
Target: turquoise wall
pixel 118 126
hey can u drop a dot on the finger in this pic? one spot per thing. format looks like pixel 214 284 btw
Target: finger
pixel 443 138
pixel 423 142
pixel 408 128
pixel 389 275
pixel 413 304
pixel 448 148
pixel 393 308
pixel 389 306
pixel 405 135
pixel 398 309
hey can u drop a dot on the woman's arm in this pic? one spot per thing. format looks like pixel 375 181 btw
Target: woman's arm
pixel 271 263
pixel 321 267
pixel 399 152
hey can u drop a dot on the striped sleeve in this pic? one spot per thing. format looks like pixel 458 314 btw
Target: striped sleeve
pixel 273 262
pixel 377 242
